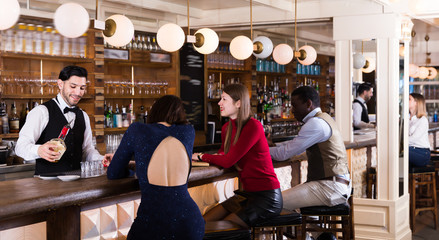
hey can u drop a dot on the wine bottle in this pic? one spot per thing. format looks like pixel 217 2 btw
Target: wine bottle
pixel 14 120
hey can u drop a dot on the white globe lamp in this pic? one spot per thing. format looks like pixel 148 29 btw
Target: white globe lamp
pixel 241 47
pixel 9 13
pixel 170 37
pixel 359 61
pixel 206 41
pixel 308 55
pixel 71 20
pixel 283 54
pixel 413 70
pixel 369 66
pixel 119 30
pixel 423 72
pixel 264 47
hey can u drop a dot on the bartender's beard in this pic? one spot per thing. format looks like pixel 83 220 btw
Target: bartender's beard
pixel 70 99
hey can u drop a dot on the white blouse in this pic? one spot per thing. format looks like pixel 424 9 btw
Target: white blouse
pixel 418 132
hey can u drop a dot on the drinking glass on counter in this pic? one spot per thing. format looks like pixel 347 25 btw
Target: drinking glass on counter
pixel 92 168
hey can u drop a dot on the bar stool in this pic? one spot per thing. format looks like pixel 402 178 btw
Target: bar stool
pixel 434 158
pixel 225 230
pixel 275 226
pixel 371 179
pixel 422 181
pixel 328 219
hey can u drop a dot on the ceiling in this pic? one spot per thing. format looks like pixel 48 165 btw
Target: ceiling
pixel 274 18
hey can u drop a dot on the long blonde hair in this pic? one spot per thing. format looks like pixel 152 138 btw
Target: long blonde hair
pixel 237 92
pixel 421 110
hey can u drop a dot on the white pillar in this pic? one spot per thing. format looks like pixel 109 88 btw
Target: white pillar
pixel 388 216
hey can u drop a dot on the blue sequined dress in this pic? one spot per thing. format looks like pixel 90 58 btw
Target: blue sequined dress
pixel 165 212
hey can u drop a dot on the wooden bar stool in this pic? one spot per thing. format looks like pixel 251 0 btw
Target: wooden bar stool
pixel 225 230
pixel 422 181
pixel 328 219
pixel 275 226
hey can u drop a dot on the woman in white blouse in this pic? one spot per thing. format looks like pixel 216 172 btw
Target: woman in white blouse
pixel 419 145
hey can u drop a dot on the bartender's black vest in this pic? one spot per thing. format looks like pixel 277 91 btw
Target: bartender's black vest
pixel 364 113
pixel 73 155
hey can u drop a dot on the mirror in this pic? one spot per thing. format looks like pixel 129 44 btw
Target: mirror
pixel 364 116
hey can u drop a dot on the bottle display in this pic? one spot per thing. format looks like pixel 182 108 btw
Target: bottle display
pixel 14 120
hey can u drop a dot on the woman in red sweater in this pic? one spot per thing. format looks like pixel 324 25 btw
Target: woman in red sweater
pixel 244 146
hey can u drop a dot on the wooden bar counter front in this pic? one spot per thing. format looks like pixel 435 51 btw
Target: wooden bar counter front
pixel 61 204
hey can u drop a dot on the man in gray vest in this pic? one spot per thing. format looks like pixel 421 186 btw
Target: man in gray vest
pixel 359 107
pixel 328 180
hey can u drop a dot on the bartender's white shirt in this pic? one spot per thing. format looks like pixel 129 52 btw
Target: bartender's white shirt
pixel 36 122
pixel 418 132
pixel 357 110
pixel 315 130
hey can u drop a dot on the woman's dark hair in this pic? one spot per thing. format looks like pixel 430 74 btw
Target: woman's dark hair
pixel 364 87
pixel 69 71
pixel 306 93
pixel 168 108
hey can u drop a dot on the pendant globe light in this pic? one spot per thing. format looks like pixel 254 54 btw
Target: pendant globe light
pixel 413 70
pixel 369 66
pixel 71 20
pixel 306 55
pixel 432 72
pixel 9 13
pixel 423 72
pixel 118 30
pixel 242 47
pixel 205 40
pixel 170 37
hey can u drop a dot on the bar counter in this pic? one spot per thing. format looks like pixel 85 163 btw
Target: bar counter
pixel 31 200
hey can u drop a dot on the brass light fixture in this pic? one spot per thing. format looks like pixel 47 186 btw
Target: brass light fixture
pixel 118 30
pixel 283 54
pixel 205 40
pixel 242 47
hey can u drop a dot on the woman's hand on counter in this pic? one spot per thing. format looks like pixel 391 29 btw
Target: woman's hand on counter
pixel 46 152
pixel 107 159
pixel 197 157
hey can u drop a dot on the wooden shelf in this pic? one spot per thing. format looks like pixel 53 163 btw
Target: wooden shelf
pixel 431 100
pixel 45 57
pixel 218 70
pixel 36 96
pixel 424 83
pixel 283 119
pixel 138 64
pixel 309 76
pixel 9 136
pixel 132 96
pixel 115 130
pixel 272 73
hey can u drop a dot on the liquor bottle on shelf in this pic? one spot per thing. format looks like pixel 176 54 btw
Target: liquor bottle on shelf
pixel 155 45
pixel 144 44
pixel 23 115
pixel 134 43
pixel 109 117
pixel 141 116
pixel 125 122
pixel 131 114
pixel 139 43
pixel 117 118
pixel 14 120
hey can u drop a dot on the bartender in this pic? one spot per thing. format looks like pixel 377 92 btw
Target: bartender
pixel 46 122
pixel 359 107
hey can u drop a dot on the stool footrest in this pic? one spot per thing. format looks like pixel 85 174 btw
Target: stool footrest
pixel 225 230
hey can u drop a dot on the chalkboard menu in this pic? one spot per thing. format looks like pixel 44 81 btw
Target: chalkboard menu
pixel 192 85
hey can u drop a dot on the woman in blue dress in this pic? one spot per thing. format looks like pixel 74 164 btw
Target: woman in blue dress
pixel 162 151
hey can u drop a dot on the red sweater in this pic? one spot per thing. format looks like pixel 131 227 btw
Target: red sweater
pixel 251 154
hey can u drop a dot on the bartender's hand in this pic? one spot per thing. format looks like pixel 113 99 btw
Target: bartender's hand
pixel 46 152
pixel 107 159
